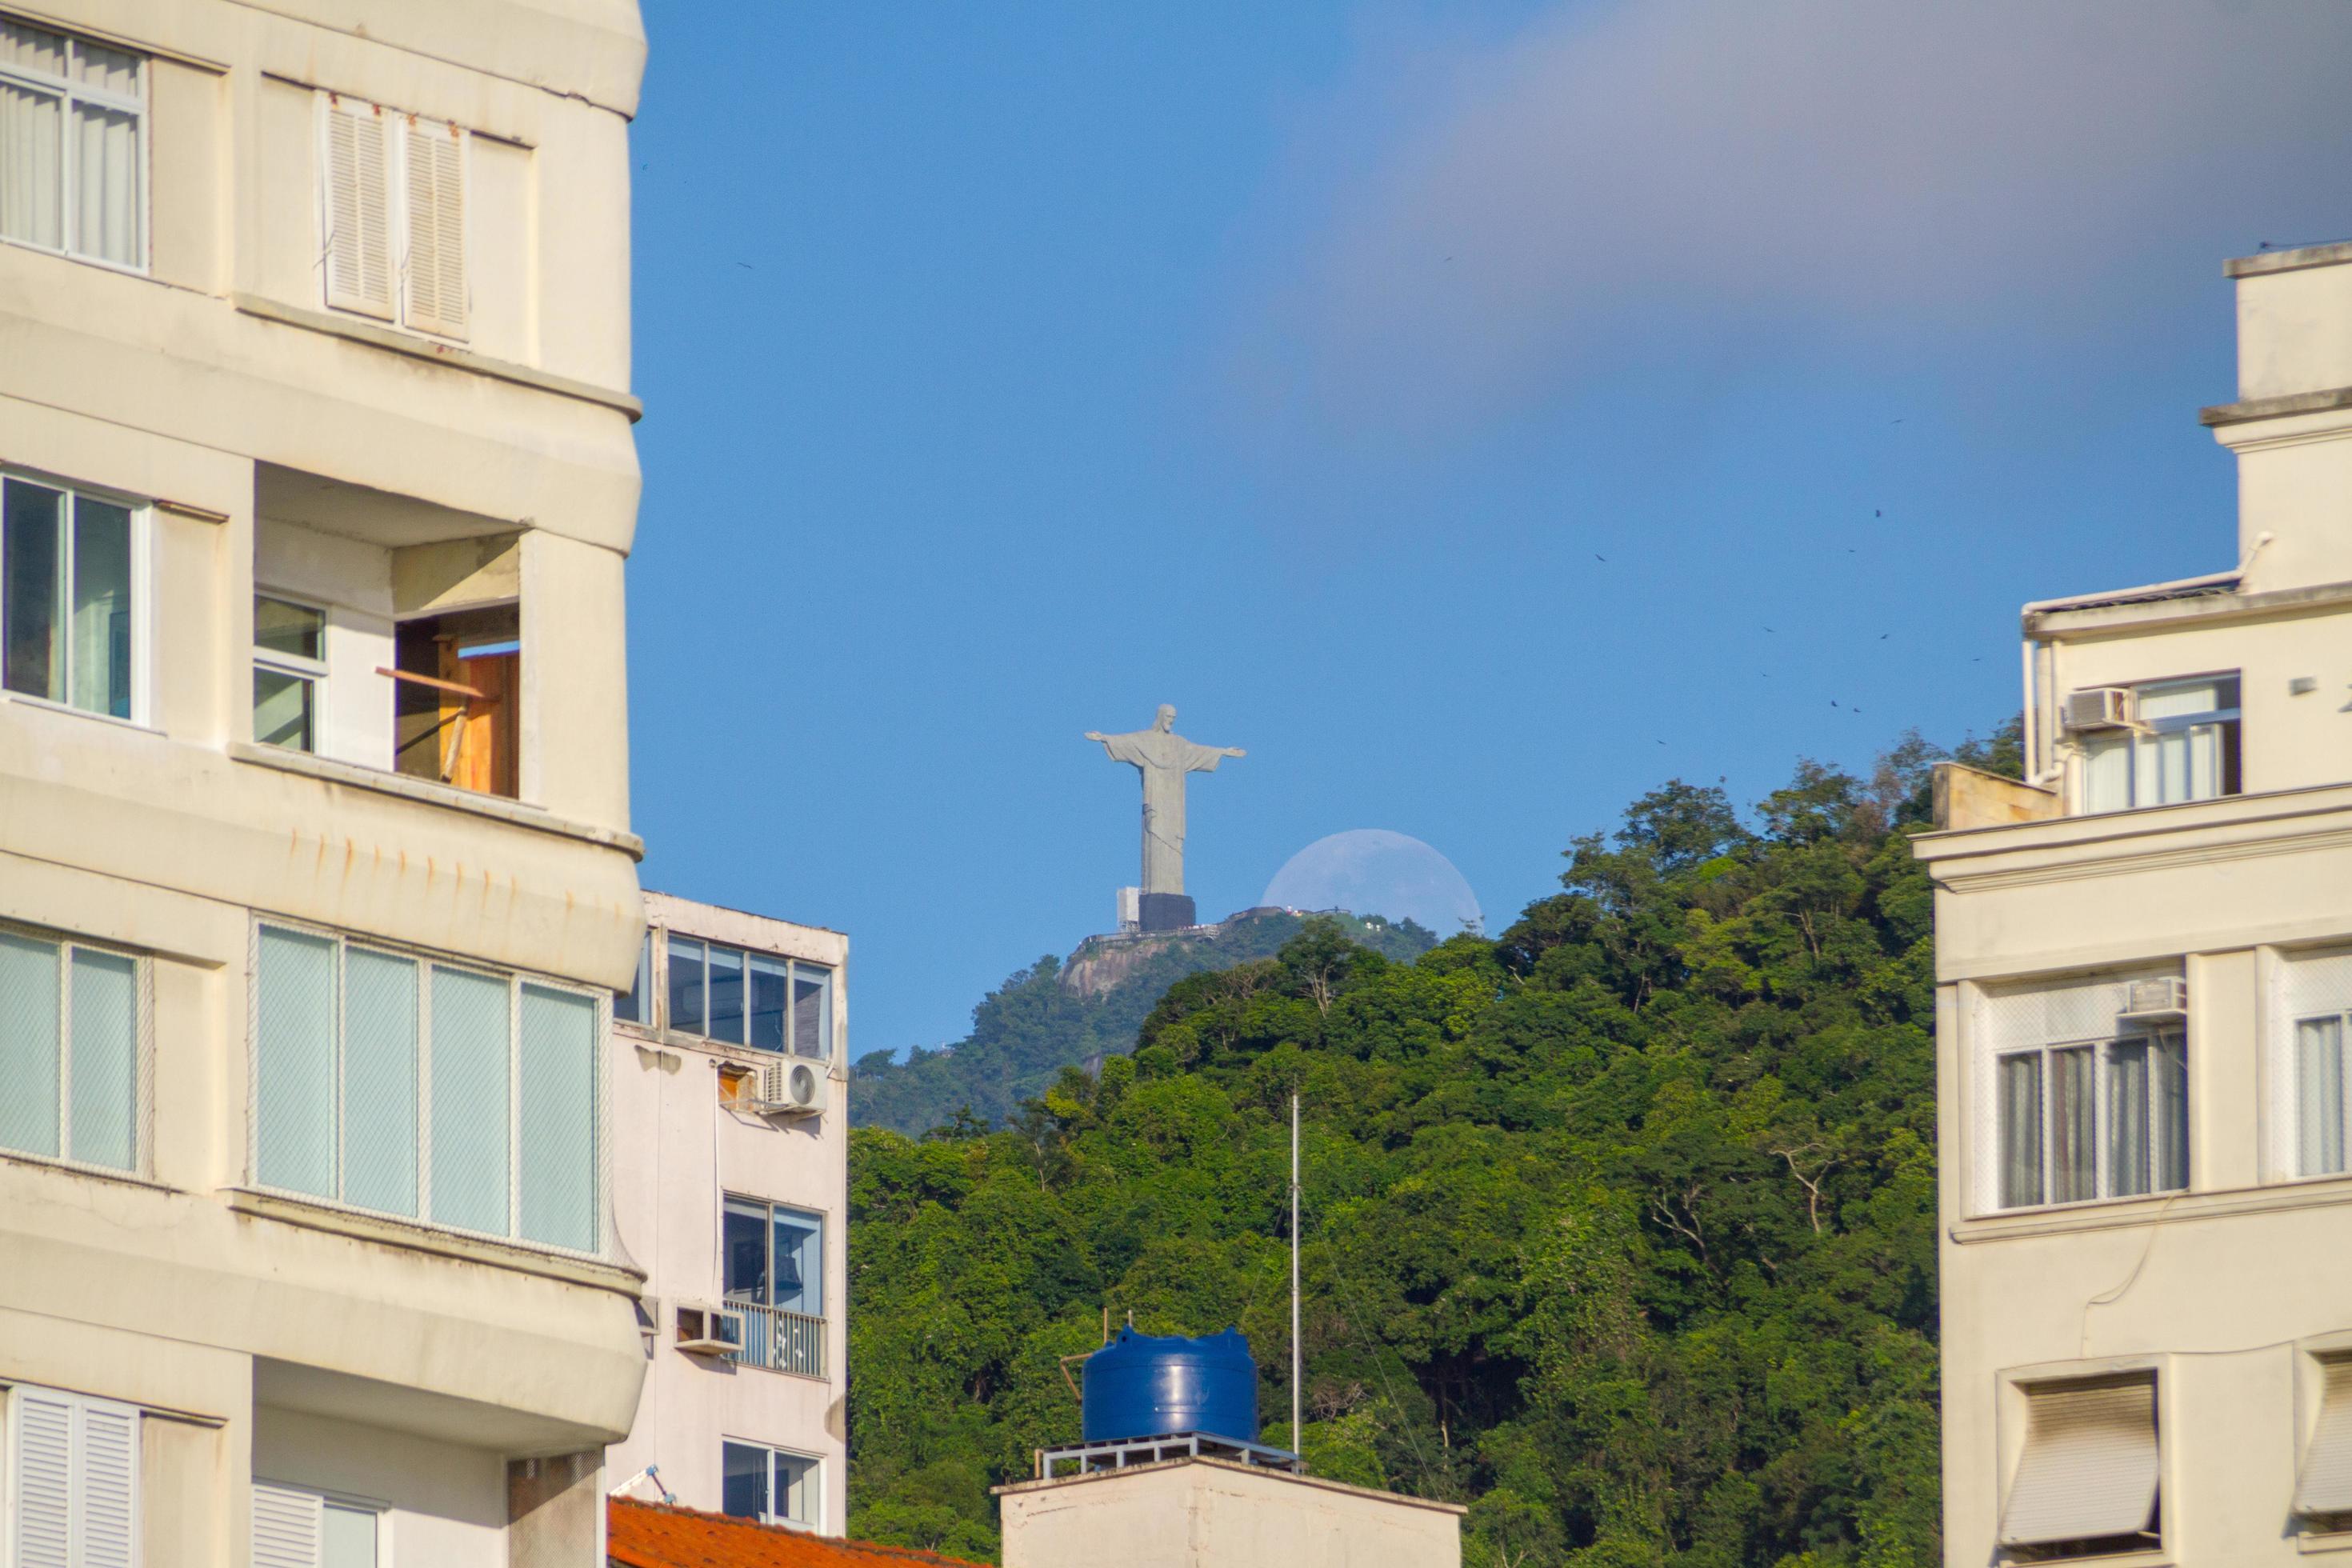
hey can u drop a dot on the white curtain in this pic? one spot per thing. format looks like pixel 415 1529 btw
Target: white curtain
pixel 29 165
pixel 106 176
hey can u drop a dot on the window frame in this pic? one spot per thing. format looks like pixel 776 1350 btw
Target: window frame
pixel 398 123
pixel 2102 1051
pixel 814 1488
pixel 312 672
pixel 79 1405
pixel 654 976
pixel 2230 768
pixel 2015 1418
pixel 139 664
pixel 324 1499
pixel 69 92
pixel 2299 989
pixel 426 962
pixel 142 1076
pixel 772 1208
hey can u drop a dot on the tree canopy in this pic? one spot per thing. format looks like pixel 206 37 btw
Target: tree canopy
pixel 1619 1229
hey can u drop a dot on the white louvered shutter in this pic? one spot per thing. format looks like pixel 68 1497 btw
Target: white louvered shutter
pixel 2326 1488
pixel 2089 1470
pixel 357 208
pixel 107 1469
pixel 285 1527
pixel 41 1478
pixel 434 269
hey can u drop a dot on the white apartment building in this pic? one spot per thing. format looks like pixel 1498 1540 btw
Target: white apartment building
pixel 317 475
pixel 732 1117
pixel 2145 998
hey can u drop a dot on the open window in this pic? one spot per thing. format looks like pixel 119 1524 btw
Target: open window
pixel 2087 1482
pixel 2180 744
pixel 456 709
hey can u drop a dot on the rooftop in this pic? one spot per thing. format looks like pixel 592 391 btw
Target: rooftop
pixel 651 1535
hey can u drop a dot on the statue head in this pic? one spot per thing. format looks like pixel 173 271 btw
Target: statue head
pixel 1167 719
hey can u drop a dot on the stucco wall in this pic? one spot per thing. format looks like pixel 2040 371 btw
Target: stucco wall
pixel 1195 1513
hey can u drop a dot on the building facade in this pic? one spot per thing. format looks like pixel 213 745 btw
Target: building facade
pixel 2145 996
pixel 732 1120
pixel 317 477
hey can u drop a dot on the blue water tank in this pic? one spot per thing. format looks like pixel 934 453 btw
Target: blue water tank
pixel 1140 1385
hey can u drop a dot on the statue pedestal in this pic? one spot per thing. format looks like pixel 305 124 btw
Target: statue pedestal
pixel 1165 911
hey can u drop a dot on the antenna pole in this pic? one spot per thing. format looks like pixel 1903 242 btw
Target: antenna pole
pixel 1295 1439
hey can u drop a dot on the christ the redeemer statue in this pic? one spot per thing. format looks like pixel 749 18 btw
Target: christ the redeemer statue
pixel 1163 758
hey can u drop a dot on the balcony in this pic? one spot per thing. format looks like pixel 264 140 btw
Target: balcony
pixel 775 1340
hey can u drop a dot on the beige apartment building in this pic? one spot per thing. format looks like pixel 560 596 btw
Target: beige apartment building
pixel 2145 999
pixel 317 475
pixel 731 1122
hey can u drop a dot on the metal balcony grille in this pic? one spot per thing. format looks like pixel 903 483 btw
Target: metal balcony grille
pixel 778 1340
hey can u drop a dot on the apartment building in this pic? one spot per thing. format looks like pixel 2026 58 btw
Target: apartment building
pixel 732 1124
pixel 2145 977
pixel 317 475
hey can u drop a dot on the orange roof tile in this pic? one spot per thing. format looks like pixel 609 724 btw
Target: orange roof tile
pixel 649 1535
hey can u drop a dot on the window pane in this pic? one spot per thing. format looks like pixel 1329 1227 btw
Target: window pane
pixel 106 167
pixel 2074 1174
pixel 558 1117
pixel 379 1125
pixel 796 1488
pixel 110 71
pixel 296 630
pixel 100 659
pixel 2021 1130
pixel 347 1536
pixel 771 982
pixel 744 1487
pixel 2186 698
pixel 2168 1063
pixel 726 995
pixel 2106 774
pixel 686 985
pixel 105 1078
pixel 283 711
pixel 628 1005
pixel 32 48
pixel 744 1238
pixel 800 1263
pixel 30 1057
pixel 470 1058
pixel 2319 1096
pixel 2126 1119
pixel 31 561
pixel 812 1011
pixel 32 165
pixel 294 1063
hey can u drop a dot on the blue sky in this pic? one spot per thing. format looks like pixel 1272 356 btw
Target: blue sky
pixel 1011 370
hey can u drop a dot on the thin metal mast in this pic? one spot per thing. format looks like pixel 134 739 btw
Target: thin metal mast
pixel 1295 1439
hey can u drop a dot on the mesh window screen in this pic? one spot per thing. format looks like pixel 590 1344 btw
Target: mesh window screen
pixel 294 1061
pixel 558 1119
pixel 2019 1083
pixel 380 1072
pixel 471 1059
pixel 104 1116
pixel 31 1073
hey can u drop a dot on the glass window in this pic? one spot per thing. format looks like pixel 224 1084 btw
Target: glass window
pixel 72 122
pixel 65 598
pixel 726 982
pixel 69 1057
pixel 2116 1120
pixel 765 1483
pixel 744 1236
pixel 771 983
pixel 630 1006
pixel 686 966
pixel 2319 1096
pixel 290 668
pixel 2183 747
pixel 775 1256
pixel 507 1140
pixel 2020 1130
pixel 347 1536
pixel 812 1011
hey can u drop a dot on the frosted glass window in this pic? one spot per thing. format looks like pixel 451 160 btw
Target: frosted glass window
pixel 379 1074
pixel 472 1057
pixel 31 1068
pixel 70 1051
pixel 558 1116
pixel 103 1125
pixel 72 145
pixel 294 1062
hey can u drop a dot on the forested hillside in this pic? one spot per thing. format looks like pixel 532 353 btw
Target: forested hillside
pixel 1619 1229
pixel 1027 1030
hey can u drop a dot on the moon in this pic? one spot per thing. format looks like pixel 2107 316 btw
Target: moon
pixel 1374 872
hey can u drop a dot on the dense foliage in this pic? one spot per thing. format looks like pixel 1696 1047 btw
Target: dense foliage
pixel 1620 1226
pixel 1027 1030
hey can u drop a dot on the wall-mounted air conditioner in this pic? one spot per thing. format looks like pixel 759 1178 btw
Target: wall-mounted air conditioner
pixel 2163 1001
pixel 2098 708
pixel 706 1330
pixel 789 1088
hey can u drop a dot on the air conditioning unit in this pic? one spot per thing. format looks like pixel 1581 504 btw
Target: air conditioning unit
pixel 2099 708
pixel 2160 1001
pixel 789 1088
pixel 706 1330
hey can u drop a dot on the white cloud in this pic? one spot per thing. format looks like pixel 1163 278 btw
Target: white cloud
pixel 1622 173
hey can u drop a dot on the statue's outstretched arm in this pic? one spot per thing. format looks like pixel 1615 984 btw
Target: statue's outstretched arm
pixel 1097 735
pixel 1232 751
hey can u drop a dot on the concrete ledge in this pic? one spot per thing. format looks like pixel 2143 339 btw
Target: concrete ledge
pixel 2333 398
pixel 417 1237
pixel 2170 1209
pixel 435 352
pixel 498 807
pixel 2293 260
pixel 1283 1478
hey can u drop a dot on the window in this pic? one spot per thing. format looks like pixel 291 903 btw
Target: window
pixel 289 667
pixel 65 598
pixel 2084 1103
pixel 2310 1005
pixel 71 1024
pixel 769 1484
pixel 2086 1483
pixel 437 1092
pixel 73 1480
pixel 296 1528
pixel 456 713
pixel 774 1266
pixel 392 216
pixel 634 1005
pixel 741 998
pixel 2322 1491
pixel 2184 747
pixel 73 124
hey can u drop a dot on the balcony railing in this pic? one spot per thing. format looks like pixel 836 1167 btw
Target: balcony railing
pixel 778 1340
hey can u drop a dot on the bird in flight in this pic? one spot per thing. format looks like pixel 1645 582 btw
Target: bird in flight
pixel 1602 559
